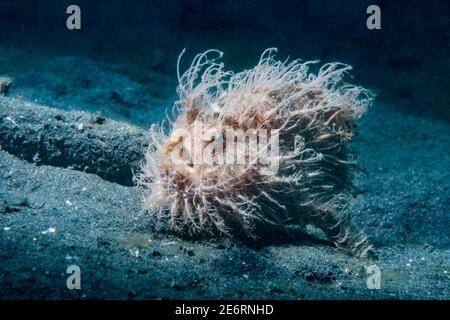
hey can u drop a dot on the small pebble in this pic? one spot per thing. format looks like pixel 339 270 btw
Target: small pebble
pixel 49 230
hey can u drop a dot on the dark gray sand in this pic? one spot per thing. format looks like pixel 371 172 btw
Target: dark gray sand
pixel 56 210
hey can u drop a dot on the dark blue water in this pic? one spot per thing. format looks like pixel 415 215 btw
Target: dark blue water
pixel 407 59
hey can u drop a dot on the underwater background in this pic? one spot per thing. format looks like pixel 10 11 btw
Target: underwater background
pixel 109 81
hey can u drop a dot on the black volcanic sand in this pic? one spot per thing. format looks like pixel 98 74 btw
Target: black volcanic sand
pixel 54 213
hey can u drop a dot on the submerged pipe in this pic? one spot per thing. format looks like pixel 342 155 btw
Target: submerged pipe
pixel 71 139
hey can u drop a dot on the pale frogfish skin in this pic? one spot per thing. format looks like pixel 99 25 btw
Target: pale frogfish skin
pixel 265 146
